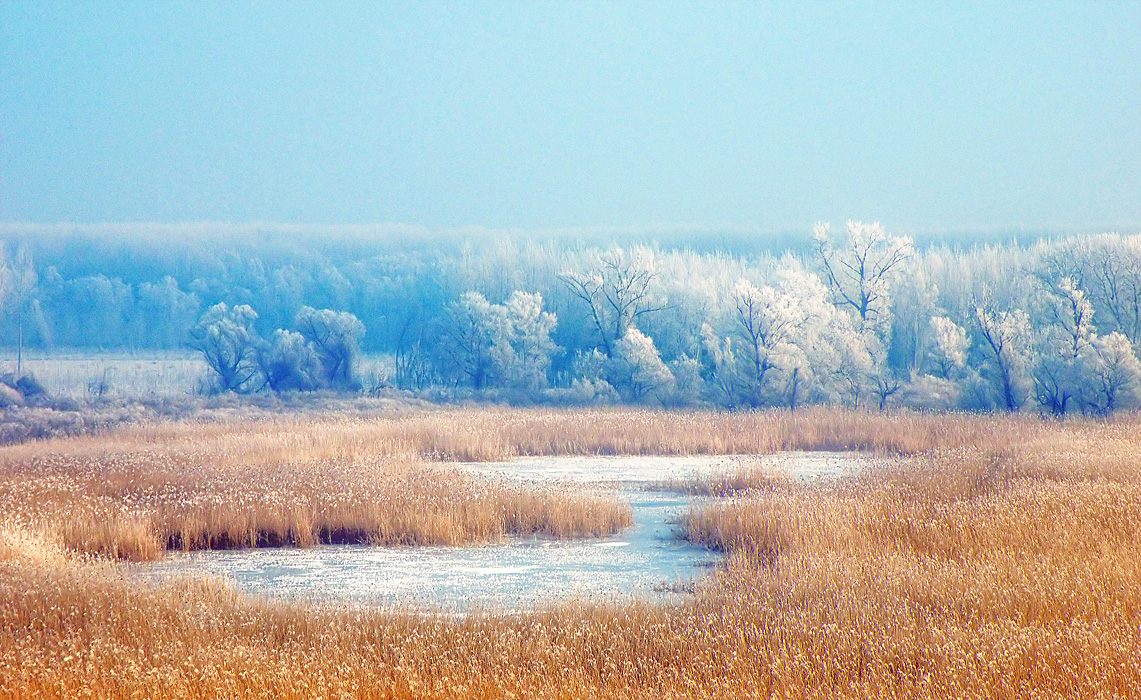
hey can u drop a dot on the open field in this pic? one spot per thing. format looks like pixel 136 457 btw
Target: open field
pixel 982 557
pixel 85 374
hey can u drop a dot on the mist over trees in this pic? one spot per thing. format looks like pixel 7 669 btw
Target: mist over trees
pixel 851 315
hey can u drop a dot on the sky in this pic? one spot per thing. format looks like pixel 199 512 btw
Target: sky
pixel 765 116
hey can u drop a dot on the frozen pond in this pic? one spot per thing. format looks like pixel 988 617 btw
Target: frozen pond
pixel 516 573
pixel 646 559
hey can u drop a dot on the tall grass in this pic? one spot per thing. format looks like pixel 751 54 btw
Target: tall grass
pixel 494 434
pixel 141 491
pixel 963 574
pixel 727 483
pixel 984 558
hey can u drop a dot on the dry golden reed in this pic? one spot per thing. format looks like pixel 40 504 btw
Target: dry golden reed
pixel 725 483
pixel 143 490
pixel 978 557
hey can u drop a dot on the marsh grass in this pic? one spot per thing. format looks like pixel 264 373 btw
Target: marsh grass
pixel 726 483
pixel 145 490
pixel 493 434
pixel 989 558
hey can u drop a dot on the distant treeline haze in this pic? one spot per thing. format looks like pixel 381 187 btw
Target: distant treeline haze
pixel 851 316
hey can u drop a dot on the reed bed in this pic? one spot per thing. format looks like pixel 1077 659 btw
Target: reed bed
pixel 496 434
pixel 727 483
pixel 488 434
pixel 992 558
pixel 135 494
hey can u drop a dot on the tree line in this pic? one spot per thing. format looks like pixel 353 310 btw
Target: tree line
pixel 851 316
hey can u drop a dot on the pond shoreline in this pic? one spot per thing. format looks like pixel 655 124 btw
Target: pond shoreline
pixel 649 560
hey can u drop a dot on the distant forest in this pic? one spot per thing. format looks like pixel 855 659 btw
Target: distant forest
pixel 847 315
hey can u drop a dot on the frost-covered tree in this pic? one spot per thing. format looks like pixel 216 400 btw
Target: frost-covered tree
pixel 476 334
pixel 764 346
pixel 18 280
pixel 1107 268
pixel 700 290
pixel 6 278
pixel 1114 282
pixel 861 272
pixel 812 365
pixel 501 345
pixel 530 331
pixel 722 362
pixel 689 385
pixel 618 287
pixel 947 356
pixel 637 368
pixel 853 370
pixel 228 342
pixel 1115 374
pixel 1064 339
pixel 335 336
pixel 914 301
pixel 1003 339
pixel 163 312
pixel 940 380
pixel 861 269
pixel 289 362
pixel 766 322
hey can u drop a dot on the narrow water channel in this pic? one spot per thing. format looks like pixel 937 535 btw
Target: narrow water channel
pixel 646 560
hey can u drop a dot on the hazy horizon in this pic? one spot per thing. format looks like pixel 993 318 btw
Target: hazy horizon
pixel 970 117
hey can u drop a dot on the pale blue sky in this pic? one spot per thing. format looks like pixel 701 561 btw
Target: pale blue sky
pixel 534 115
